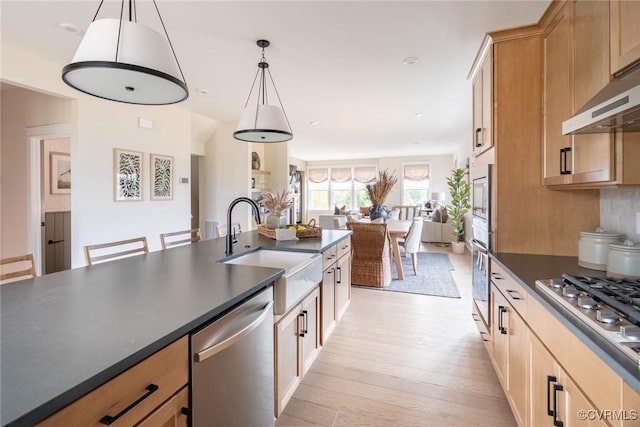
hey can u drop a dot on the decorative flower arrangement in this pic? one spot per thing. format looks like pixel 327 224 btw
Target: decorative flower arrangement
pixel 277 202
pixel 380 189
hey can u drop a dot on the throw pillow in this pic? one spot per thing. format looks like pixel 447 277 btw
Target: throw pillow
pixel 440 215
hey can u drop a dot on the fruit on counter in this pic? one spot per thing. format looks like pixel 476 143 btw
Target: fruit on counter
pixel 301 228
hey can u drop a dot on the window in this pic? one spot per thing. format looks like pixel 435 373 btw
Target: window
pixel 339 186
pixel 415 184
pixel 318 189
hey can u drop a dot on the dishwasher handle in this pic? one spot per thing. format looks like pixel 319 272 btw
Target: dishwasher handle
pixel 201 356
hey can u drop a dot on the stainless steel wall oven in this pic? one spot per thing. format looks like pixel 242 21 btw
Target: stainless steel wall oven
pixel 481 241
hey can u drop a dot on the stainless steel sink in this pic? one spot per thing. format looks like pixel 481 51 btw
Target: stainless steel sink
pixel 302 272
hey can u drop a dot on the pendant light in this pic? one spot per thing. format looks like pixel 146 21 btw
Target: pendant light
pixel 125 61
pixel 263 122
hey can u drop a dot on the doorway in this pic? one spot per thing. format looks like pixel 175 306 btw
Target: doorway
pixel 50 197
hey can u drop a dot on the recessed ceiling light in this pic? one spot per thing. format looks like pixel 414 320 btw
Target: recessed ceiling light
pixel 203 91
pixel 70 28
pixel 418 114
pixel 410 60
pixel 314 123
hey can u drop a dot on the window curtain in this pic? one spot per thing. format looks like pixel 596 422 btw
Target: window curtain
pixel 318 175
pixel 365 174
pixel 340 174
pixel 416 172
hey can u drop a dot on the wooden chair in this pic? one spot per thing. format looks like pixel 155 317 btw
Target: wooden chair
pixel 123 248
pixel 371 260
pixel 180 238
pixel 408 212
pixel 17 268
pixel 411 243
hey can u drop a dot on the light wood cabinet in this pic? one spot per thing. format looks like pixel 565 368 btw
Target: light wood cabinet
pixel 576 69
pixel 555 397
pixel 576 58
pixel 296 347
pixel 149 384
pixel 625 34
pixel 510 335
pixel 336 286
pixel 483 102
pixel 171 414
pixel 518 222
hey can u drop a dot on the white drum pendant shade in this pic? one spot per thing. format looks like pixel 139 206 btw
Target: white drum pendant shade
pixel 145 72
pixel 269 125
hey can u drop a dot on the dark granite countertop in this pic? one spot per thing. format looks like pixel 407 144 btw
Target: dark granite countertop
pixel 64 334
pixel 527 269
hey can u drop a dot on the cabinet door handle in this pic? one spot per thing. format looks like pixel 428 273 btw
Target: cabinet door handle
pixel 550 379
pixel 501 327
pixel 478 143
pixel 567 150
pixel 513 294
pixel 187 412
pixel 108 419
pixel 51 242
pixel 556 389
pixel 301 325
pixel 339 280
pixel 305 321
pixel 562 161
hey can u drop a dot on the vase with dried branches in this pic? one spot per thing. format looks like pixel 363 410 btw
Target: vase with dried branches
pixel 378 192
pixel 276 203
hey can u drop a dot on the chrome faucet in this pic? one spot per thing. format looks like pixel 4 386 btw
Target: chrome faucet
pixel 231 238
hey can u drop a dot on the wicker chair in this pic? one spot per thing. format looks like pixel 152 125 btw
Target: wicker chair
pixel 371 260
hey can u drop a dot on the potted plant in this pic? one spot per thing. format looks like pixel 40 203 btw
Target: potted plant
pixel 459 206
pixel 276 203
pixel 378 192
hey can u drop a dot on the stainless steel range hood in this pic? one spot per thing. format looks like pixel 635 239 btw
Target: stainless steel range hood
pixel 617 106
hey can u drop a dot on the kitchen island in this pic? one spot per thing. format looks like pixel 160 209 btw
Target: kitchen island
pixel 67 333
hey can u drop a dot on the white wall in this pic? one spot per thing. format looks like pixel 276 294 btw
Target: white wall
pixel 21 109
pixel 98 127
pixel 54 202
pixel 103 126
pixel 226 176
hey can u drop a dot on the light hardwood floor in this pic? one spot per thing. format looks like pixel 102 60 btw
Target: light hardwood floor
pixel 399 359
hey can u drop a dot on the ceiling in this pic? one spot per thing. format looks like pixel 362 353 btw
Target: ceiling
pixel 337 63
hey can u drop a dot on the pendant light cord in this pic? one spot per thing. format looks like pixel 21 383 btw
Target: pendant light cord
pixel 97 11
pixel 169 40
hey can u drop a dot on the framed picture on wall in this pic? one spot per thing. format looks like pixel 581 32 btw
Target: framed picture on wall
pixel 59 173
pixel 127 175
pixel 161 177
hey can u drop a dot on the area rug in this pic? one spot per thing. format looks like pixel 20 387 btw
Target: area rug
pixel 434 276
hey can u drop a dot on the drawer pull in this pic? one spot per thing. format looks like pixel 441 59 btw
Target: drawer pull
pixel 556 389
pixel 513 294
pixel 496 276
pixel 108 419
pixel 550 379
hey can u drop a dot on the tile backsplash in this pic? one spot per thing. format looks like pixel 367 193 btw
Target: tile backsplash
pixel 618 208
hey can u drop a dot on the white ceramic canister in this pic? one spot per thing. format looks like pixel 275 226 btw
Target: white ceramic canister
pixel 624 260
pixel 593 248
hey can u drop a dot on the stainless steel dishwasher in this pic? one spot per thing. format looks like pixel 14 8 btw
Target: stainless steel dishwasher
pixel 232 367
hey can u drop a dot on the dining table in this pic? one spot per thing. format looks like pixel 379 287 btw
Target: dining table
pixel 398 229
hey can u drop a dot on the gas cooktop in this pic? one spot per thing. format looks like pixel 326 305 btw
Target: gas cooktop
pixel 610 307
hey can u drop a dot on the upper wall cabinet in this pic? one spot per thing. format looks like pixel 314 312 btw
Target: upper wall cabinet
pixel 483 100
pixel 576 68
pixel 625 34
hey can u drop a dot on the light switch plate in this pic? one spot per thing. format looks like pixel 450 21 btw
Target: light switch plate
pixel 145 123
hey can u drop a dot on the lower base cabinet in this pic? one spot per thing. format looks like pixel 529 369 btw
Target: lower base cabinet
pixel 556 398
pixel 171 413
pixel 161 379
pixel 297 344
pixel 510 335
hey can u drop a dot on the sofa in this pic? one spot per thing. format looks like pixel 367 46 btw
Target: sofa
pixel 437 232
